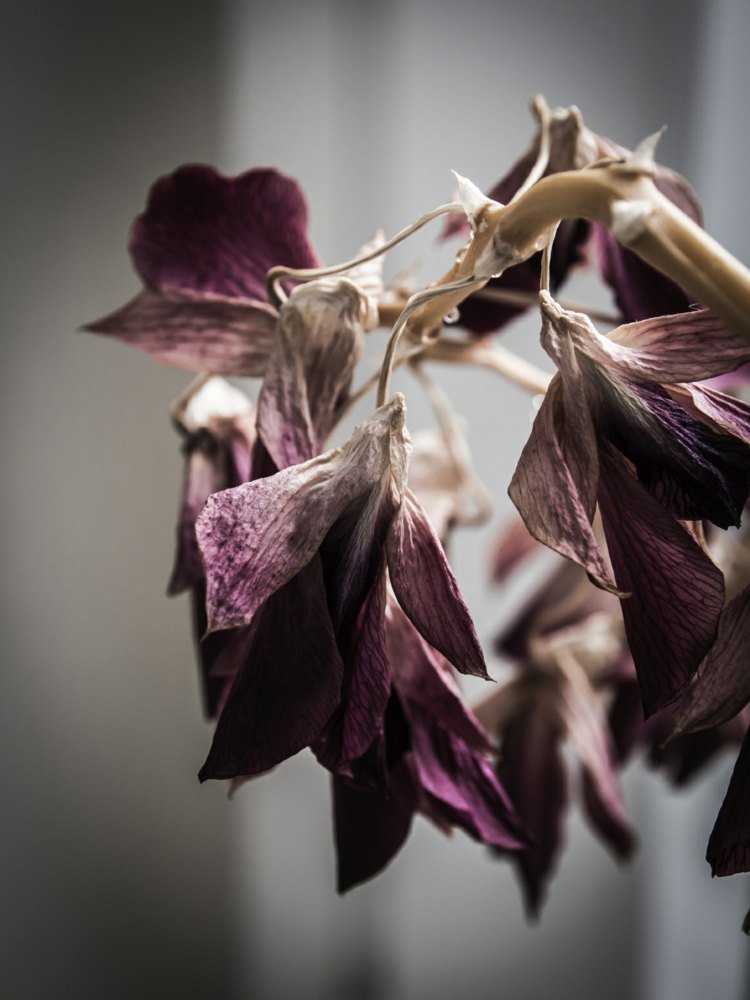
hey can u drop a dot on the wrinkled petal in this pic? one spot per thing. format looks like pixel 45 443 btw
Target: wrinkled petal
pixel 288 687
pixel 686 347
pixel 370 827
pixel 428 591
pixel 729 844
pixel 553 482
pixel 219 335
pixel 725 414
pixel 677 593
pixel 722 688
pixel 419 676
pixel 207 233
pixel 461 786
pixel 258 536
pixel 319 341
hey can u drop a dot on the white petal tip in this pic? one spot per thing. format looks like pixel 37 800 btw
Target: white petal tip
pixel 643 157
pixel 472 199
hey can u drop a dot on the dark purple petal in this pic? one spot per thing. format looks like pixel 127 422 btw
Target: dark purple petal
pixel 318 343
pixel 677 593
pixel 688 754
pixel 427 589
pixel 533 772
pixel 725 414
pixel 722 688
pixel 366 685
pixel 203 232
pixel 214 652
pixel 461 787
pixel 370 827
pixel 611 825
pixel 554 485
pixel 288 687
pixel 421 676
pixel 729 845
pixel 693 470
pixel 512 549
pixel 209 334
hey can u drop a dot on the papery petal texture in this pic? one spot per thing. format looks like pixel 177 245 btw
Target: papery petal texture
pixel 204 232
pixel 207 334
pixel 676 592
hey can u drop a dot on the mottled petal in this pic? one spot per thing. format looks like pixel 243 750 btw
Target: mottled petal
pixel 207 334
pixel 729 845
pixel 288 687
pixel 552 484
pixel 428 591
pixel 207 233
pixel 722 688
pixel 370 826
pixel 258 536
pixel 677 593
pixel 318 343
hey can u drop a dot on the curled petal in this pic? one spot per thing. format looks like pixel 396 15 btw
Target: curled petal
pixel 207 334
pixel 428 591
pixel 203 232
pixel 677 593
pixel 722 688
pixel 553 483
pixel 729 845
pixel 724 414
pixel 288 687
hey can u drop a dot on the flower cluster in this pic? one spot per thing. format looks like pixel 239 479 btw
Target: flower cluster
pixel 326 613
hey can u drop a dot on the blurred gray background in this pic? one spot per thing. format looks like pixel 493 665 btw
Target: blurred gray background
pixel 122 877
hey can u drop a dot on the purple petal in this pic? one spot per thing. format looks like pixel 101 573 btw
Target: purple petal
pixel 725 414
pixel 677 593
pixel 366 686
pixel 461 786
pixel 685 347
pixel 729 845
pixel 554 485
pixel 611 825
pixel 421 677
pixel 534 774
pixel 318 343
pixel 207 334
pixel 288 687
pixel 512 549
pixel 427 589
pixel 203 232
pixel 258 536
pixel 722 688
pixel 370 826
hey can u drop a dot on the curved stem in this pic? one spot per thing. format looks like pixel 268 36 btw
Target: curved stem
pixel 542 112
pixel 276 293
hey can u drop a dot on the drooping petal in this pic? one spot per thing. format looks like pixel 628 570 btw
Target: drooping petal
pixel 370 826
pixel 685 347
pixel 207 334
pixel 366 685
pixel 420 676
pixel 722 688
pixel 729 845
pixel 258 536
pixel 288 687
pixel 676 592
pixel 553 482
pixel 725 414
pixel 534 774
pixel 319 340
pixel 428 591
pixel 611 825
pixel 461 786
pixel 203 232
